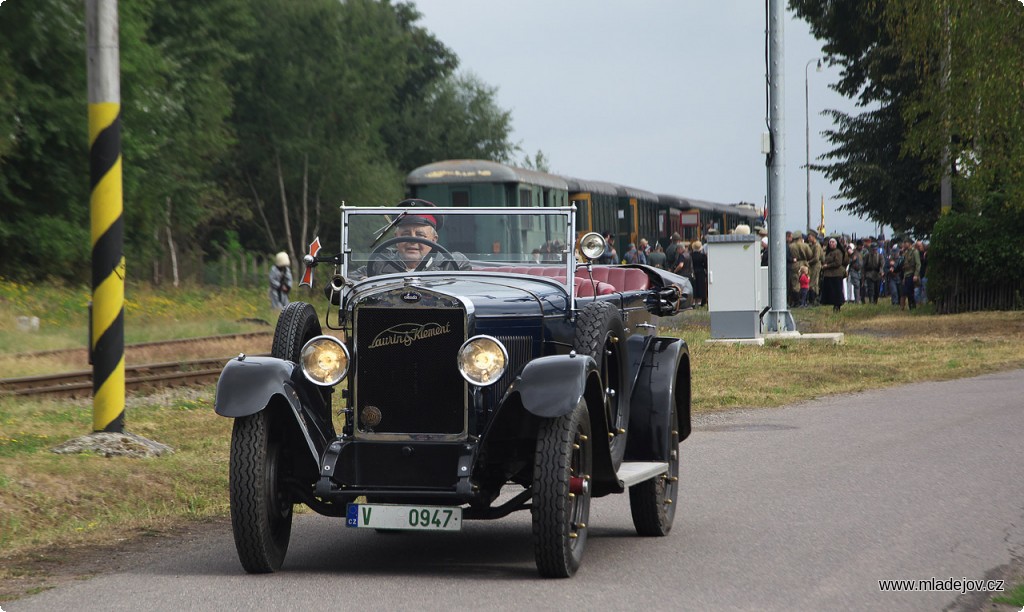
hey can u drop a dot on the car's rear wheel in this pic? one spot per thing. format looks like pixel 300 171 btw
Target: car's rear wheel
pixel 598 332
pixel 563 462
pixel 261 508
pixel 653 502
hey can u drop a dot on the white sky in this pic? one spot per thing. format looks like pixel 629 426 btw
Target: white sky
pixel 662 95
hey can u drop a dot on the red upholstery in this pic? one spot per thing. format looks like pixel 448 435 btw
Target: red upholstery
pixel 628 279
pixel 623 279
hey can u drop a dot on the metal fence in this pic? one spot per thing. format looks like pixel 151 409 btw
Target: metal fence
pixel 966 295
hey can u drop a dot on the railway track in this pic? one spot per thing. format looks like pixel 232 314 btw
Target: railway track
pixel 144 345
pixel 137 378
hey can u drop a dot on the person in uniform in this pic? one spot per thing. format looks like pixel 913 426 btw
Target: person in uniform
pixel 801 253
pixel 411 255
pixel 814 266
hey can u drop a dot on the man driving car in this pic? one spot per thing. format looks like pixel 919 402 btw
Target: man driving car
pixel 417 253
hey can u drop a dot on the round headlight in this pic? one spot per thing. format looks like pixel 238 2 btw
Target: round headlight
pixel 482 360
pixel 592 245
pixel 324 360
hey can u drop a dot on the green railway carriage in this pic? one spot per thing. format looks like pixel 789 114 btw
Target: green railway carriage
pixel 627 212
pixel 470 182
pixel 596 203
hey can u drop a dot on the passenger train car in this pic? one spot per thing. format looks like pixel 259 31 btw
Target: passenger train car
pixel 627 212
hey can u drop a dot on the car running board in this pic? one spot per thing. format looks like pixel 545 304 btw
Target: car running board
pixel 634 472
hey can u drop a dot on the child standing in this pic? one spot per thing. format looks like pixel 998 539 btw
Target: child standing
pixel 805 285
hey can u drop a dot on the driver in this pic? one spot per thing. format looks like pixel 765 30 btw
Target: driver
pixel 407 255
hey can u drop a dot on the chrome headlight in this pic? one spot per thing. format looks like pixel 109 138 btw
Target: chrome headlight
pixel 324 360
pixel 592 245
pixel 482 360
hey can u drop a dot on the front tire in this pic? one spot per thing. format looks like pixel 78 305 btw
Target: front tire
pixel 297 325
pixel 653 502
pixel 563 463
pixel 261 508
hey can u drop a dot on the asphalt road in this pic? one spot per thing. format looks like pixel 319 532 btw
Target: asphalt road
pixel 805 507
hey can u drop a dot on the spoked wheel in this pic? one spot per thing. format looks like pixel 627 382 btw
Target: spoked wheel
pixel 261 508
pixel 561 492
pixel 653 502
pixel 598 331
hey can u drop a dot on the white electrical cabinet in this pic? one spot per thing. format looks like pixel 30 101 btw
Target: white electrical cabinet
pixel 737 288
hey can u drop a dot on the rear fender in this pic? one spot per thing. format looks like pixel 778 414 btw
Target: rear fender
pixel 249 384
pixel 664 378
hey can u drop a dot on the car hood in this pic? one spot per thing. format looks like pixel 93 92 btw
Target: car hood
pixel 487 294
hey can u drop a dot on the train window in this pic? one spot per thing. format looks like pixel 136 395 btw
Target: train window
pixel 460 198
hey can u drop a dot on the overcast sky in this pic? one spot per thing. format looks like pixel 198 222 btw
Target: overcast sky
pixel 662 95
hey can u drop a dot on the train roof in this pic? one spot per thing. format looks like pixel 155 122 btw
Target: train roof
pixel 577 185
pixel 481 171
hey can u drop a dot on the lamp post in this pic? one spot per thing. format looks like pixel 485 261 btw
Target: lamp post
pixel 807 132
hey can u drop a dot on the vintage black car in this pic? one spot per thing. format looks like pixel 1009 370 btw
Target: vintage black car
pixel 482 364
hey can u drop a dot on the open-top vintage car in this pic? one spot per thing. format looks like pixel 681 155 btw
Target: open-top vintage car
pixel 482 364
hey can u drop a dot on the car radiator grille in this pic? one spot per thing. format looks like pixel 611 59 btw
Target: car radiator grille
pixel 520 351
pixel 406 376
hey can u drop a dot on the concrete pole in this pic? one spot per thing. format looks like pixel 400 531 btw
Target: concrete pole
pixel 778 319
pixel 106 323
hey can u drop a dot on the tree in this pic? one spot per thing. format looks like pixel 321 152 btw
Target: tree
pixel 44 170
pixel 968 60
pixel 879 177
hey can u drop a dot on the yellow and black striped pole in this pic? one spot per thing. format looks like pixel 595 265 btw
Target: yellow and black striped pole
pixel 106 215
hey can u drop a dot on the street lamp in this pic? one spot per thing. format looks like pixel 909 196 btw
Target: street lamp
pixel 807 133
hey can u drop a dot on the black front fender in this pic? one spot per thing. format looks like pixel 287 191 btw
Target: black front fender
pixel 249 384
pixel 552 386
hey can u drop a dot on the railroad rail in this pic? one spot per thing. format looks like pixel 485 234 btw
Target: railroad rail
pixel 137 378
pixel 155 343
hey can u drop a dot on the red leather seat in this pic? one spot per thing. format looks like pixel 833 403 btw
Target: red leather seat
pixel 584 287
pixel 623 279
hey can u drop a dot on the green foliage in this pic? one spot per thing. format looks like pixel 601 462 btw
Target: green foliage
pixel 938 81
pixel 244 122
pixel 968 60
pixel 982 247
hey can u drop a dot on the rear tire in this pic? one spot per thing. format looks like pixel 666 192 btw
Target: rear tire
pixel 653 502
pixel 261 508
pixel 563 461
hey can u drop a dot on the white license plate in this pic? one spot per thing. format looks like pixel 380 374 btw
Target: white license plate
pixel 388 516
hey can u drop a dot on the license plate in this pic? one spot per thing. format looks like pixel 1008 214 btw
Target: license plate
pixel 389 516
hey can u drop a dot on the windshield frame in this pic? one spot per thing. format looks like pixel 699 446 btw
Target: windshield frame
pixel 567 213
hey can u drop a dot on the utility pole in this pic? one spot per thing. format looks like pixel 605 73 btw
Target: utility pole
pixel 779 319
pixel 106 324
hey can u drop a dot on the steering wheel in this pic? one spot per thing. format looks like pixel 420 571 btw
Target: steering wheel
pixel 377 255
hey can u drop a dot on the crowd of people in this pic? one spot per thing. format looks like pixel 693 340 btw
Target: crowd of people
pixel 832 270
pixel 837 271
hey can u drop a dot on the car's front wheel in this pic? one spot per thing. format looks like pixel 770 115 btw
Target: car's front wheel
pixel 261 508
pixel 563 462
